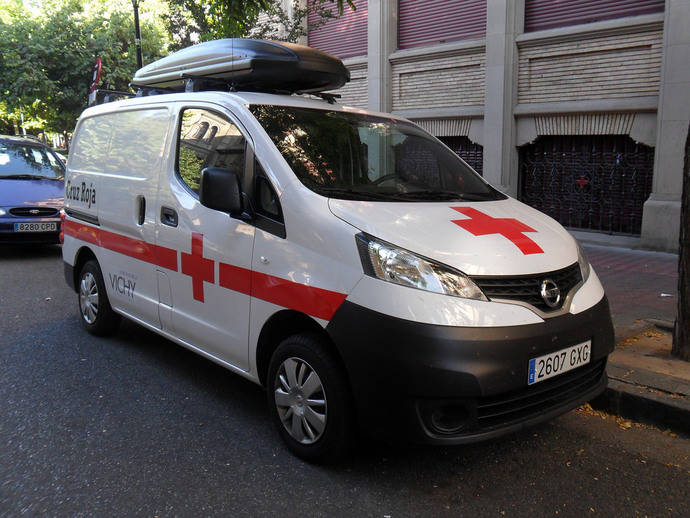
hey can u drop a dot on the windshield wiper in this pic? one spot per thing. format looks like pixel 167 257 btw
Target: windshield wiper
pixel 26 177
pixel 352 194
pixel 445 195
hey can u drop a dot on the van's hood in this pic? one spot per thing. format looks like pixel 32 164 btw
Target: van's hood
pixel 34 193
pixel 466 235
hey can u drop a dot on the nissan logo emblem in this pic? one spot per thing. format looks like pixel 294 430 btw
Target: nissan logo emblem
pixel 550 293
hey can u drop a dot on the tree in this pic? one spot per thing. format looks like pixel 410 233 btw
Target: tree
pixel 277 23
pixel 681 334
pixel 190 21
pixel 48 55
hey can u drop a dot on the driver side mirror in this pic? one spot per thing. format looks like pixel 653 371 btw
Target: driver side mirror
pixel 220 189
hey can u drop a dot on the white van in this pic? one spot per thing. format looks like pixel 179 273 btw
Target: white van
pixel 345 260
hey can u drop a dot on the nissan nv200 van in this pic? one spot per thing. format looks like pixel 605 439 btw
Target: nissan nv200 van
pixel 345 260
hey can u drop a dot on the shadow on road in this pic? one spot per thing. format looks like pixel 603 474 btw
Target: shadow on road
pixel 191 368
pixel 247 403
pixel 29 251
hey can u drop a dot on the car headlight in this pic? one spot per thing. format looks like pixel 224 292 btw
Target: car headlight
pixel 390 263
pixel 582 260
pixel 3 212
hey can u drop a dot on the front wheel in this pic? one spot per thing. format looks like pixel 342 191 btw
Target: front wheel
pixel 309 399
pixel 97 317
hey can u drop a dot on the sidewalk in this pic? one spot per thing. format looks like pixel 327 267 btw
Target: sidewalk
pixel 645 382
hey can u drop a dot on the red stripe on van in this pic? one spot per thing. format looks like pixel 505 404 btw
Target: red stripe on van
pixel 235 278
pixel 135 248
pixel 80 231
pixel 314 301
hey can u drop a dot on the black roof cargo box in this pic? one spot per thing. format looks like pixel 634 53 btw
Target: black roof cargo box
pixel 245 64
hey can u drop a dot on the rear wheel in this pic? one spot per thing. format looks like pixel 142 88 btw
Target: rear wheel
pixel 97 317
pixel 309 399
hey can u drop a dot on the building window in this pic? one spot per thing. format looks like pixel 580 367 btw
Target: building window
pixel 547 14
pixel 589 182
pixel 430 22
pixel 344 36
pixel 470 152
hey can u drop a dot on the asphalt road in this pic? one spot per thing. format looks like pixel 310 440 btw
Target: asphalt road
pixel 136 426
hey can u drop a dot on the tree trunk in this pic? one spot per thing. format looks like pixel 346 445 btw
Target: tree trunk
pixel 681 332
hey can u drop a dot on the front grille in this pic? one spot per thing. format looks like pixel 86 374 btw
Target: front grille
pixel 527 288
pixel 35 212
pixel 519 405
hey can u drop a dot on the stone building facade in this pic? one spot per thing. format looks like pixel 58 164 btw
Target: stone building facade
pixel 579 108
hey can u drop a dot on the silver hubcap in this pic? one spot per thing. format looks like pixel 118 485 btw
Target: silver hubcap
pixel 88 298
pixel 300 400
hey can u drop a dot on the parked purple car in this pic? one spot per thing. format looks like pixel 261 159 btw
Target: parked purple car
pixel 32 192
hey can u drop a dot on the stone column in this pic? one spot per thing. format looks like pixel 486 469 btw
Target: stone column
pixel 382 36
pixel 504 21
pixel 661 216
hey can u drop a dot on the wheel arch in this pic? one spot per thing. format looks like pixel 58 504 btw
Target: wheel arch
pixel 83 255
pixel 283 324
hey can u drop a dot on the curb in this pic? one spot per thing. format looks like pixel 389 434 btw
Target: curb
pixel 639 403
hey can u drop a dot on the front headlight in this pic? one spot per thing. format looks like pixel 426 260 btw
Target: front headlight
pixel 397 265
pixel 3 212
pixel 582 260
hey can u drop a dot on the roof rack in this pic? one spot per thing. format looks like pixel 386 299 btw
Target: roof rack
pixel 145 90
pixel 107 96
pixel 191 85
pixel 201 83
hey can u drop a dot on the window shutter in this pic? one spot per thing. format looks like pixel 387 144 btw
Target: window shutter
pixel 549 14
pixel 430 22
pixel 343 37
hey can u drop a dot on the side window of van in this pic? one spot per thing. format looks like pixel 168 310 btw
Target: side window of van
pixel 269 215
pixel 207 139
pixel 266 200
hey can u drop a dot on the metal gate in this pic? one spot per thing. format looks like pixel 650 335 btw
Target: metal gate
pixel 470 152
pixel 596 182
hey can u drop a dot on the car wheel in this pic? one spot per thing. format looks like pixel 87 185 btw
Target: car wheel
pixel 97 317
pixel 309 399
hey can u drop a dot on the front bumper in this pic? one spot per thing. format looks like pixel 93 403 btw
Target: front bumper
pixel 402 372
pixel 9 236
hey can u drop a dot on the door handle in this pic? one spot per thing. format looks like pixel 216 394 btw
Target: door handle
pixel 168 216
pixel 141 209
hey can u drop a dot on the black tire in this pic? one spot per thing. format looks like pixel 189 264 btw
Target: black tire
pixel 95 314
pixel 334 440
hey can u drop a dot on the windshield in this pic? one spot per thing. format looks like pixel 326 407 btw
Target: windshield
pixel 361 157
pixel 20 160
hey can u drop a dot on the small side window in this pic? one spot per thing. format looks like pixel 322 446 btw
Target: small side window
pixel 265 198
pixel 221 146
pixel 269 215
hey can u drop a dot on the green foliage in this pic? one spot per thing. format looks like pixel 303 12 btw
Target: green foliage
pixel 289 25
pixel 49 50
pixel 233 18
pixel 190 165
pixel 190 21
pixel 48 47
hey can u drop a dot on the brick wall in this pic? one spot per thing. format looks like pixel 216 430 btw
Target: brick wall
pixel 355 92
pixel 591 67
pixel 450 80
